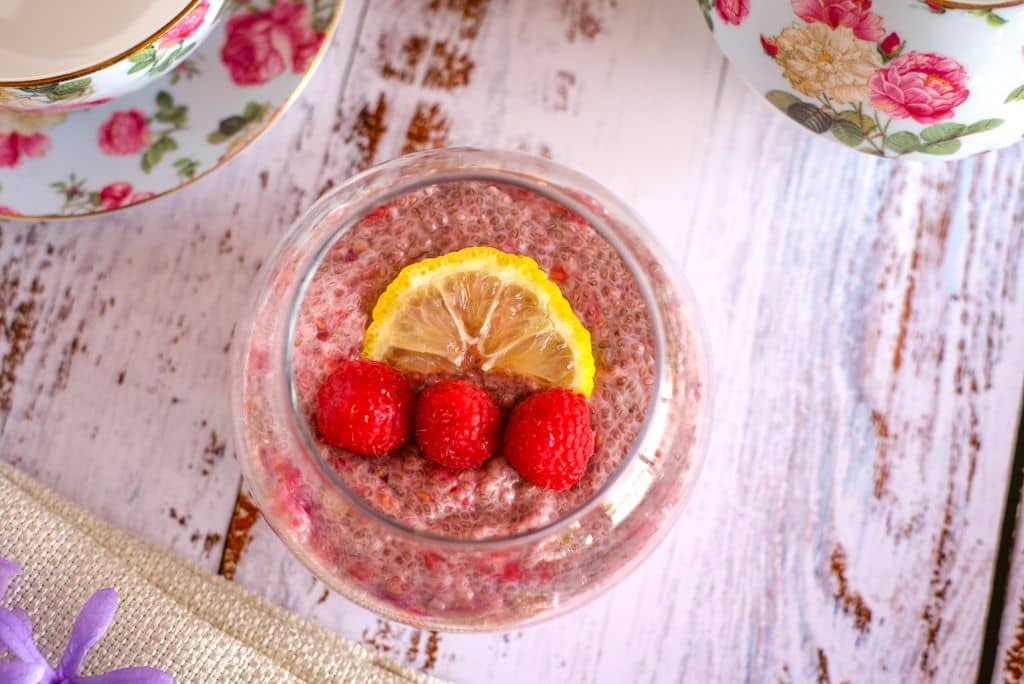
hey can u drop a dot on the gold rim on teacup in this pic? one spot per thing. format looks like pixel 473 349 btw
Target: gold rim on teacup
pixel 85 71
pixel 976 4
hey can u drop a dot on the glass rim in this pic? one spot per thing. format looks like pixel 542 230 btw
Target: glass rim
pixel 546 184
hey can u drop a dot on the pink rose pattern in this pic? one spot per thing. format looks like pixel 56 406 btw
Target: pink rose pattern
pixel 15 146
pixel 891 45
pixel 125 132
pixel 732 11
pixel 922 86
pixel 121 194
pixel 188 25
pixel 769 46
pixel 853 14
pixel 925 87
pixel 78 198
pixel 262 45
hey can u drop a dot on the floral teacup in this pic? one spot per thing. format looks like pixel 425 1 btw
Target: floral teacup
pixel 49 67
pixel 923 78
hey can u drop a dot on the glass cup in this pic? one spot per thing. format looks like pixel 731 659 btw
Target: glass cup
pixel 419 576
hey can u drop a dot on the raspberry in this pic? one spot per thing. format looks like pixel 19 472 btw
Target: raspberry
pixel 365 407
pixel 457 424
pixel 548 439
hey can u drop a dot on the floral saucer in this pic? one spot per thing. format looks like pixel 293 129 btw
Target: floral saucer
pixel 156 140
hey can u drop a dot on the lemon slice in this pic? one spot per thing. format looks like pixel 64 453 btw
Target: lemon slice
pixel 481 306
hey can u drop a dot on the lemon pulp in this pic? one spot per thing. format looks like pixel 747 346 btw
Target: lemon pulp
pixel 482 306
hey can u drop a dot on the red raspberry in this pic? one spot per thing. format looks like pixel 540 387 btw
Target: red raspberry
pixel 365 407
pixel 457 424
pixel 548 439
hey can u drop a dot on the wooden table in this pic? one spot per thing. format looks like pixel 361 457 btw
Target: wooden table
pixel 866 320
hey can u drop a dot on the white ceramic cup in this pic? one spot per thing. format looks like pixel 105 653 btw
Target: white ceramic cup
pixel 925 78
pixel 69 54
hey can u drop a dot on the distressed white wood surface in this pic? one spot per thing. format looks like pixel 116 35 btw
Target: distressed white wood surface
pixel 866 320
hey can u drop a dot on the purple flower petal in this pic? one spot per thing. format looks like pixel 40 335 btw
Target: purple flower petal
pixel 129 675
pixel 17 637
pixel 14 672
pixel 89 627
pixel 7 571
pixel 24 617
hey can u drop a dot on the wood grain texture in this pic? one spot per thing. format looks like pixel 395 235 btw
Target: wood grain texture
pixel 866 321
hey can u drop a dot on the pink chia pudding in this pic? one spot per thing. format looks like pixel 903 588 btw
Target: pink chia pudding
pixel 492 501
pixel 482 548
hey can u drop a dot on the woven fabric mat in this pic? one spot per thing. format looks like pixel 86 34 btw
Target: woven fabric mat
pixel 172 615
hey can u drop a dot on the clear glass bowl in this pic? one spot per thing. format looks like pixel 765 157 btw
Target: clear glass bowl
pixel 426 579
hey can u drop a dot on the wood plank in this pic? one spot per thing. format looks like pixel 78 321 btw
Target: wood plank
pixel 865 317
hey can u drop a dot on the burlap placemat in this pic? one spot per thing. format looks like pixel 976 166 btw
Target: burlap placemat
pixel 173 616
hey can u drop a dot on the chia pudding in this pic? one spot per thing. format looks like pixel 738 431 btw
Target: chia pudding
pixel 470 549
pixel 492 501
